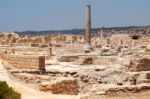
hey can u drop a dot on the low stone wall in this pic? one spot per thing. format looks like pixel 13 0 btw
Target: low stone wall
pixel 106 60
pixel 139 64
pixel 120 92
pixel 60 86
pixel 24 61
pixel 68 58
pixel 85 60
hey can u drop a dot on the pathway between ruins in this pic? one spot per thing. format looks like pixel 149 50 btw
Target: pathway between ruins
pixel 27 92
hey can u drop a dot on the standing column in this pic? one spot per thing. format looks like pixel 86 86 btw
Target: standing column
pixel 49 52
pixel 88 25
pixel 88 46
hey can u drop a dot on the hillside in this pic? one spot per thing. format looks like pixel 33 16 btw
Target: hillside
pixel 113 30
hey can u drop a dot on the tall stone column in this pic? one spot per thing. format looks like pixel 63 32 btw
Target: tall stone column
pixel 88 25
pixel 87 46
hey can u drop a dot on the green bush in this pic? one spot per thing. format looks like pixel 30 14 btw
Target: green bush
pixel 7 92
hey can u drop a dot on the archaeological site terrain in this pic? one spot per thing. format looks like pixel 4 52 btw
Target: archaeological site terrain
pixel 109 65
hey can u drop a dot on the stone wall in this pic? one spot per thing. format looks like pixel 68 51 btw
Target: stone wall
pixel 139 64
pixel 24 61
pixel 102 60
pixel 67 58
pixel 60 86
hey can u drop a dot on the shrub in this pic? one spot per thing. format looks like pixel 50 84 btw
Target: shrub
pixel 7 92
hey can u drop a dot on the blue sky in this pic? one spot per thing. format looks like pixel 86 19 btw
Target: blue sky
pixel 22 15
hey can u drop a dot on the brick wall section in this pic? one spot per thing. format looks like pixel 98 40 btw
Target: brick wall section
pixel 25 61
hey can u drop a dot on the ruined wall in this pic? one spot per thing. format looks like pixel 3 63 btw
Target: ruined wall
pixel 139 64
pixel 60 86
pixel 24 61
pixel 85 60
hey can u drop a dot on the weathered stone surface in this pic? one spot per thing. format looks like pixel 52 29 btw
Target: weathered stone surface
pixel 60 86
pixel 143 78
pixel 139 64
pixel 85 60
pixel 67 58
pixel 24 61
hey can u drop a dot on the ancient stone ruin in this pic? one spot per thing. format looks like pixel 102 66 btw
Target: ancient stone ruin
pixel 64 64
